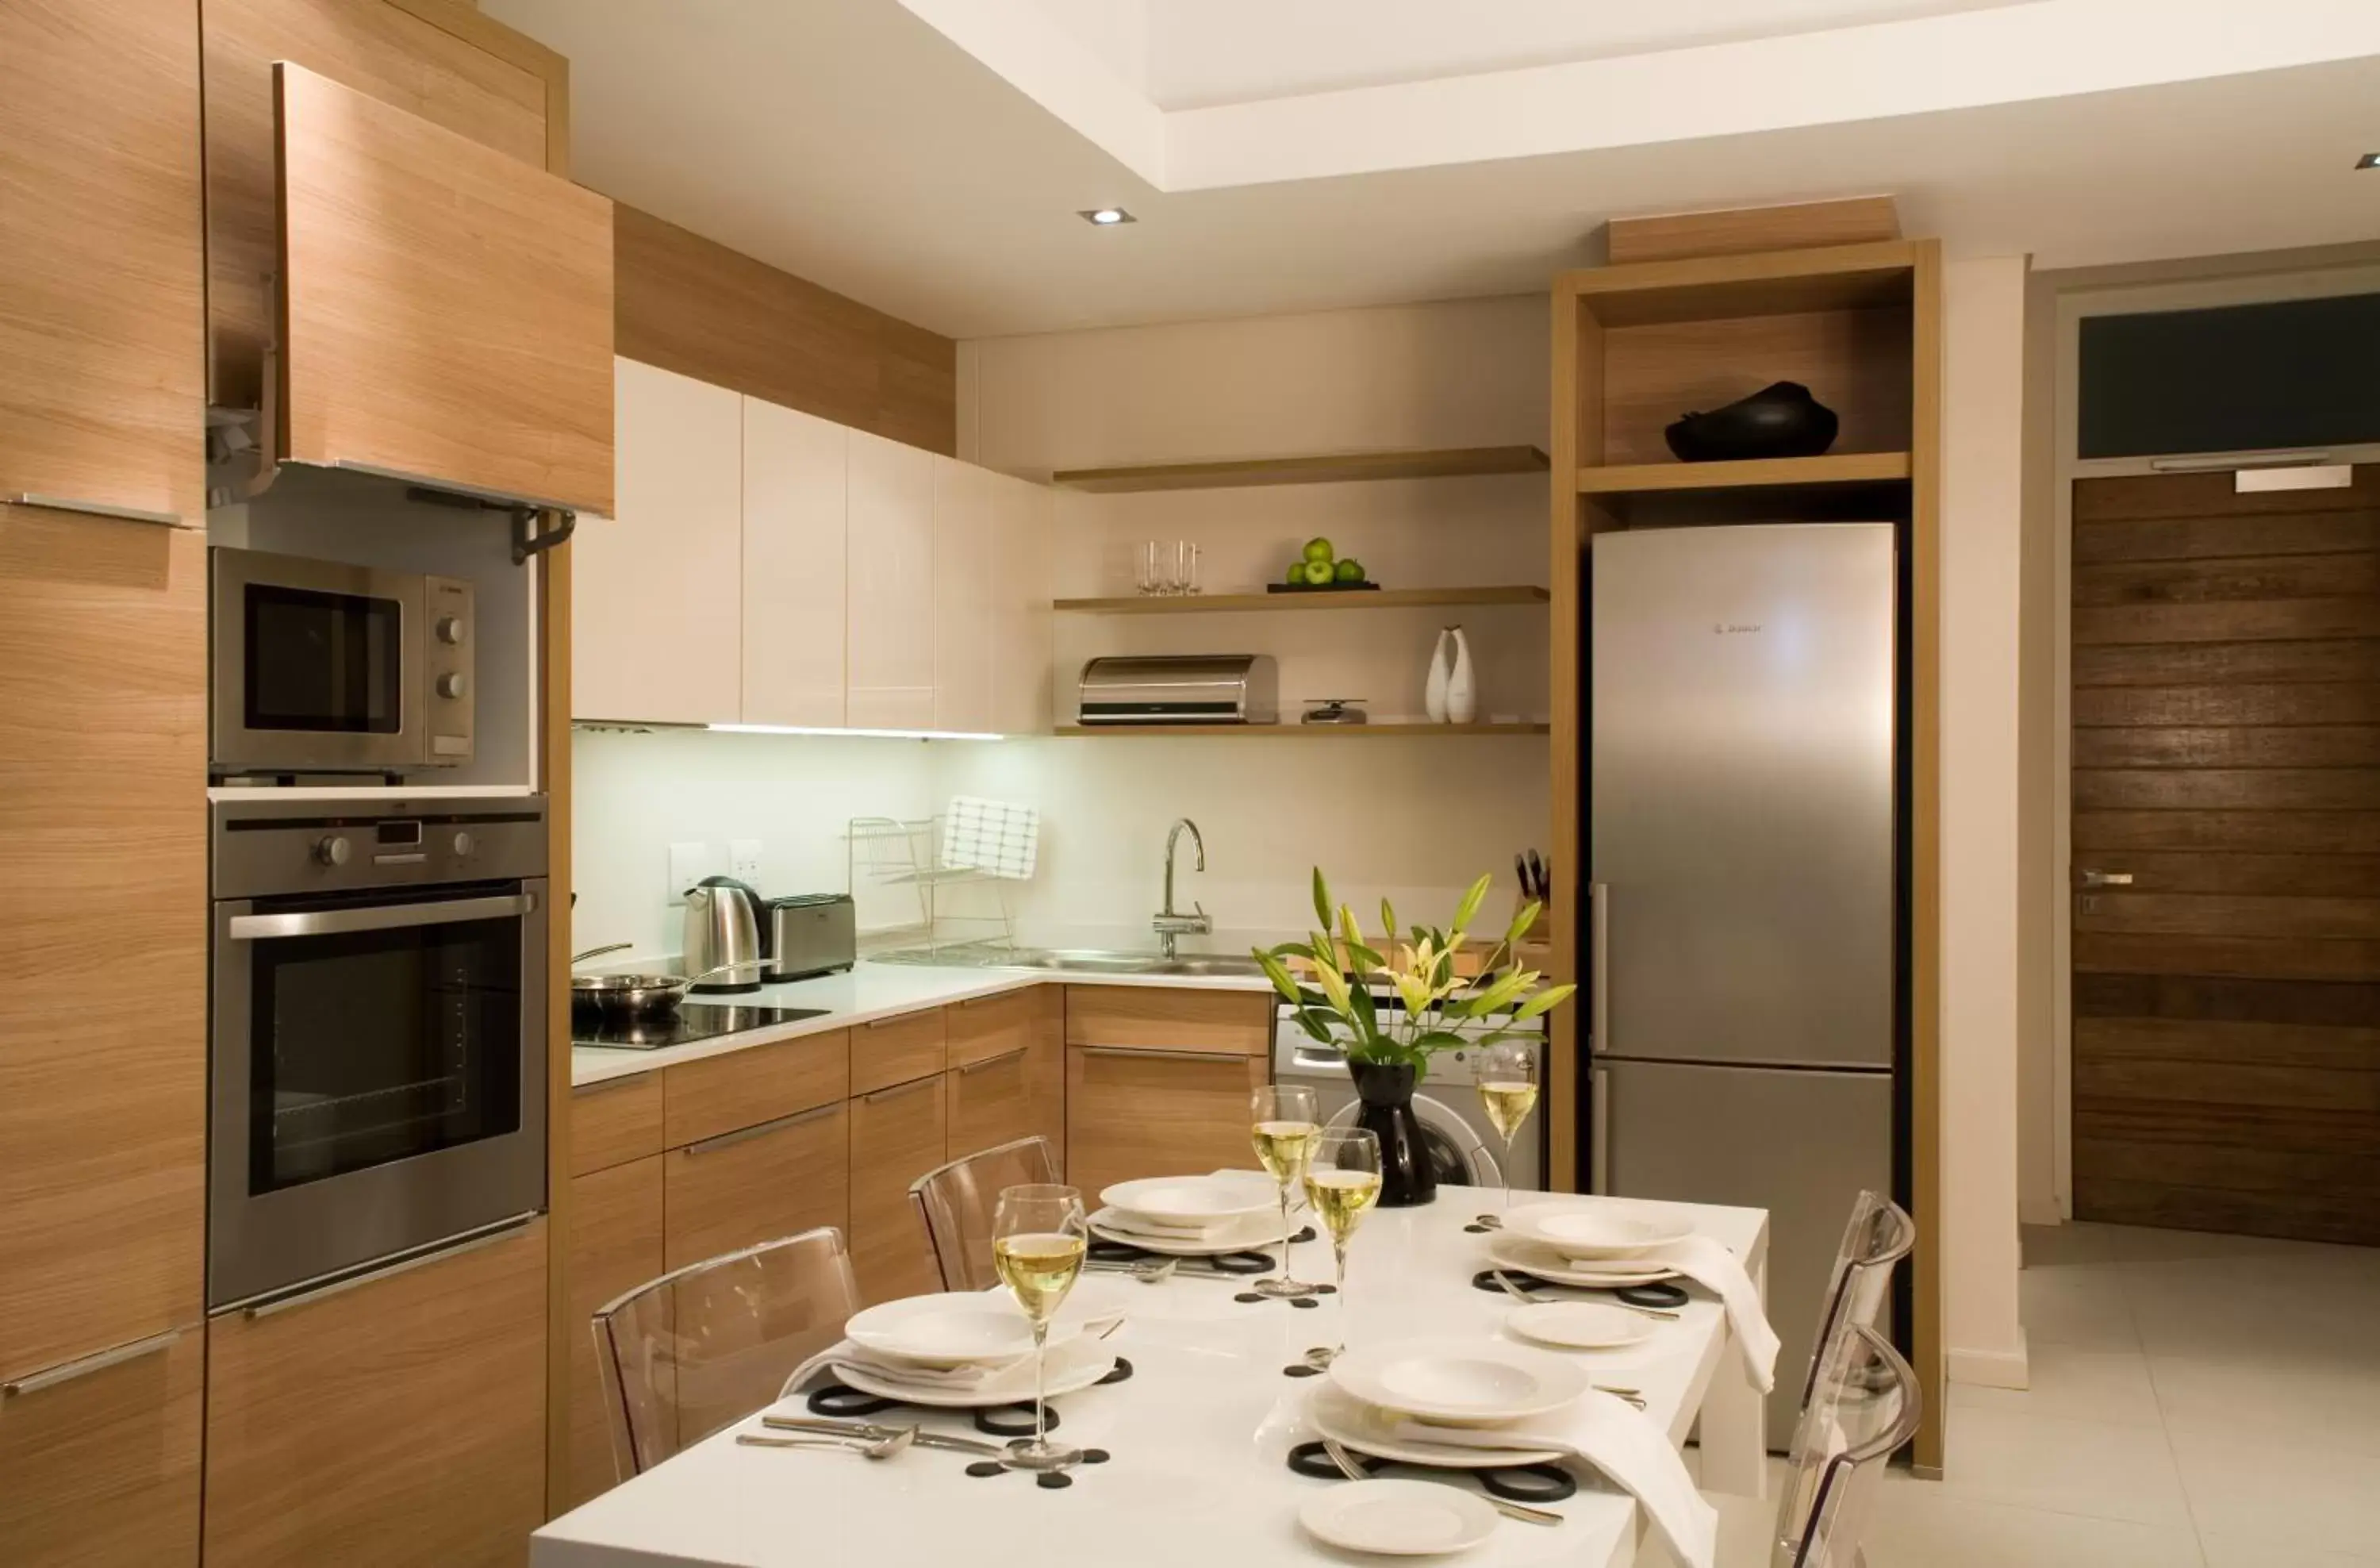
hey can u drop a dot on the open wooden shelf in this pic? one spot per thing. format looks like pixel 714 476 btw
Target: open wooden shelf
pixel 1383 599
pixel 1336 468
pixel 1305 732
pixel 1834 468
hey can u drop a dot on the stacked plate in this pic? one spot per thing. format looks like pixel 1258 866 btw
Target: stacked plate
pixel 1193 1216
pixel 1600 1246
pixel 963 1350
pixel 1439 1402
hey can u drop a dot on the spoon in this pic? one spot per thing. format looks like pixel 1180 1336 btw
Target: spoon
pixel 872 1449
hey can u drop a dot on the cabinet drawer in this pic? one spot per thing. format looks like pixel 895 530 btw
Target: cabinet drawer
pixel 1136 1113
pixel 896 1135
pixel 756 1185
pixel 1228 1023
pixel 895 1050
pixel 719 1094
pixel 615 1246
pixel 994 1025
pixel 393 1420
pixel 615 1122
pixel 1018 1093
pixel 102 1465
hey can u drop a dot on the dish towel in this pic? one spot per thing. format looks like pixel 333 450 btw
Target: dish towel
pixel 991 836
pixel 1712 1266
pixel 1619 1443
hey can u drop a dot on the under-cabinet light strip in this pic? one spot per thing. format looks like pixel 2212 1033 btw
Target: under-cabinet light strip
pixel 893 735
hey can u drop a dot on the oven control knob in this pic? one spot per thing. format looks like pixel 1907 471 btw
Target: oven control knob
pixel 450 629
pixel 464 844
pixel 332 851
pixel 452 684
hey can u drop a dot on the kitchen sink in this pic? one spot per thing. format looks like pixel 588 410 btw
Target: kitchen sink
pixel 1087 961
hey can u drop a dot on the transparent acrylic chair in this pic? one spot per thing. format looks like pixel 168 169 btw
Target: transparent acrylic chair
pixel 1865 1408
pixel 708 1345
pixel 956 1203
pixel 1878 1236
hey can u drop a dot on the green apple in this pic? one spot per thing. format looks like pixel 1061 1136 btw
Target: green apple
pixel 1351 570
pixel 1297 573
pixel 1319 550
pixel 1317 573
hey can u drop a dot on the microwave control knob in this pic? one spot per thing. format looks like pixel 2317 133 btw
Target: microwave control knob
pixel 332 850
pixel 450 629
pixel 452 684
pixel 464 844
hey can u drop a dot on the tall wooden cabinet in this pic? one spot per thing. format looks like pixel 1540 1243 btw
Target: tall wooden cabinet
pixel 793 549
pixel 892 585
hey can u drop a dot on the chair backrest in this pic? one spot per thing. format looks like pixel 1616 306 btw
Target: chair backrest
pixel 1867 1407
pixel 708 1345
pixel 1878 1236
pixel 956 1203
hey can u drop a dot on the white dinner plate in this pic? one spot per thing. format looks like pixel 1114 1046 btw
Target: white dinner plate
pixel 1011 1385
pixel 1345 1419
pixel 1580 1325
pixel 1256 1232
pixel 1538 1259
pixel 1400 1518
pixel 1195 1200
pixel 954 1329
pixel 1461 1382
pixel 1604 1231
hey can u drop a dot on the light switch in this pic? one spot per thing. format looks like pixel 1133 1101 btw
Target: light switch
pixel 688 864
pixel 744 860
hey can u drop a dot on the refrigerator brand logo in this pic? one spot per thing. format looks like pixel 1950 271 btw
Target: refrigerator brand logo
pixel 1734 628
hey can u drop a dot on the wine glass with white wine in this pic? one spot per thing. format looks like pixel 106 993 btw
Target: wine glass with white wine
pixel 1343 1182
pixel 1039 1237
pixel 1508 1092
pixel 1284 1122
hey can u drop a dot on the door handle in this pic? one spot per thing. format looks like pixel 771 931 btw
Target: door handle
pixel 2106 879
pixel 67 1372
pixel 1599 966
pixel 94 508
pixel 1598 1130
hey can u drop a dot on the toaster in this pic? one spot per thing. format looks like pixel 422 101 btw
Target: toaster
pixel 811 934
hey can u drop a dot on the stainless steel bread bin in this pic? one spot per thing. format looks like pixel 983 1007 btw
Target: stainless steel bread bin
pixel 1181 689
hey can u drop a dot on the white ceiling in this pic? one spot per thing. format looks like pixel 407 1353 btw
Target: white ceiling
pixel 853 142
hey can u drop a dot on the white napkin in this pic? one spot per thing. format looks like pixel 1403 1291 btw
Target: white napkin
pixel 1616 1441
pixel 997 1382
pixel 1712 1266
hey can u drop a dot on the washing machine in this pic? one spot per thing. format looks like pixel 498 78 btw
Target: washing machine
pixel 1464 1145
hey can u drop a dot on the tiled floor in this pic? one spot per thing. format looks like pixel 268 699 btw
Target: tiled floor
pixel 2197 1402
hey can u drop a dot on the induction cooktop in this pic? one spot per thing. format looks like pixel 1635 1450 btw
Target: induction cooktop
pixel 691 1021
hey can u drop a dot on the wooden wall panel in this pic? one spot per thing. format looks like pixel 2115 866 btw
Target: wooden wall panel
pixel 690 304
pixel 1738 231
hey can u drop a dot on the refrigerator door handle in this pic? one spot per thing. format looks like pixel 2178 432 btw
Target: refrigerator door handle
pixel 1598 1131
pixel 1599 966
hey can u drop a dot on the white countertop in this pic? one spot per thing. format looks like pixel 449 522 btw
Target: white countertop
pixel 867 991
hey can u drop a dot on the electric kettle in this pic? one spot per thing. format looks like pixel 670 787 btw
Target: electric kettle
pixel 722 926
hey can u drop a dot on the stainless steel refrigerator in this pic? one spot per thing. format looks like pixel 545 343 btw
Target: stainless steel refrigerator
pixel 1742 842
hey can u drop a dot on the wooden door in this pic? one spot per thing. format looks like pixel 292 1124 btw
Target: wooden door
pixel 103 401
pixel 889 535
pixel 398 1419
pixel 965 579
pixel 2226 805
pixel 1138 1113
pixel 897 1135
pixel 655 608
pixel 455 327
pixel 99 1464
pixel 1021 648
pixel 615 1246
pixel 103 850
pixel 792 570
pixel 1008 1072
pixel 757 1183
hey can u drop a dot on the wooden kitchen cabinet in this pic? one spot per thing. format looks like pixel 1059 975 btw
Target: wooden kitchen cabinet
pixel 653 589
pixel 614 1121
pixel 1008 1071
pixel 1023 516
pixel 103 400
pixel 615 1245
pixel 395 1419
pixel 792 570
pixel 1234 1022
pixel 757 1183
pixel 896 1050
pixel 724 1094
pixel 965 588
pixel 889 543
pixel 101 1466
pixel 457 327
pixel 897 1135
pixel 1132 1111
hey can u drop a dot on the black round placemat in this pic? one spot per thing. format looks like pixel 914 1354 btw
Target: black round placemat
pixel 1106 1249
pixel 993 1420
pixel 1658 1294
pixel 1513 1483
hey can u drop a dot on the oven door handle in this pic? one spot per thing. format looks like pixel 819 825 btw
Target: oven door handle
pixel 385 917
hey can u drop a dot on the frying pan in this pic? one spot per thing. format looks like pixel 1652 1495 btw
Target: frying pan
pixel 639 999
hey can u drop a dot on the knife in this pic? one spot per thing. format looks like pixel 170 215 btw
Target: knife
pixel 868 1432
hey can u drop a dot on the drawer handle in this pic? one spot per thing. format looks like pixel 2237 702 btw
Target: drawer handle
pixel 996 1061
pixel 67 1372
pixel 742 1134
pixel 898 1091
pixel 581 1091
pixel 486 1236
pixel 896 1018
pixel 979 1000
pixel 1126 1051
pixel 94 508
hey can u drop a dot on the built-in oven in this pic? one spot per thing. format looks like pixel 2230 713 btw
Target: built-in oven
pixel 321 667
pixel 378 1048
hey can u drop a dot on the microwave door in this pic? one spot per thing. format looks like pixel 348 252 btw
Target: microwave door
pixel 316 666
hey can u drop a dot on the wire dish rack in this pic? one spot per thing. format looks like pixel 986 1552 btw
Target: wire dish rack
pixel 957 906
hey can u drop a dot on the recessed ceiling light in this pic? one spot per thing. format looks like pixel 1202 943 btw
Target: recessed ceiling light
pixel 1107 217
pixel 2369 161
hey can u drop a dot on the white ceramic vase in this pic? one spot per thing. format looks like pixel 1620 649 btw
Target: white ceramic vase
pixel 1462 688
pixel 1433 700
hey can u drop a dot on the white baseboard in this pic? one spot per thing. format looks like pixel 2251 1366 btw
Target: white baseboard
pixel 2039 1211
pixel 1990 1368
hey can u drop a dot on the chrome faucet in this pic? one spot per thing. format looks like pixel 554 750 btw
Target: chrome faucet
pixel 1169 925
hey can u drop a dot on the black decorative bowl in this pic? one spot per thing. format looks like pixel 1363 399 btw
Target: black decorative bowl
pixel 1779 420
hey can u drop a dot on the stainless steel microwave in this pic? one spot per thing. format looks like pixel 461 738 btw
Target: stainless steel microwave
pixel 322 667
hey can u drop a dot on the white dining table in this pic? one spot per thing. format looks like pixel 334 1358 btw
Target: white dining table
pixel 1199 1434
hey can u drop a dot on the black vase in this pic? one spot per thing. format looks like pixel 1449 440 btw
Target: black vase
pixel 1779 420
pixel 1386 1090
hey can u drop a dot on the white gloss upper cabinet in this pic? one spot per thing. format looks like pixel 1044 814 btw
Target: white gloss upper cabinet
pixel 966 520
pixel 656 612
pixel 1024 515
pixel 890 573
pixel 796 473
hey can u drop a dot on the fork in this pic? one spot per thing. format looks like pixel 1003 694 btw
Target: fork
pixel 1520 1510
pixel 870 1449
pixel 1542 1298
pixel 1147 1271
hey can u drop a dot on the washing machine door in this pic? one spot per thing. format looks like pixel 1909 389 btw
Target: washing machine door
pixel 1457 1153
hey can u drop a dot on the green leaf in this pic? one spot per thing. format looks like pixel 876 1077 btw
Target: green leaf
pixel 1544 1000
pixel 1367 1018
pixel 1522 920
pixel 1312 1025
pixel 1278 972
pixel 1439 1039
pixel 1289 950
pixel 1322 899
pixel 1471 902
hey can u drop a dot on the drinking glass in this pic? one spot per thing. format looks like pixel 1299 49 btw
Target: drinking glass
pixel 1343 1182
pixel 1038 1236
pixel 1284 1124
pixel 1508 1092
pixel 1152 562
pixel 1185 567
